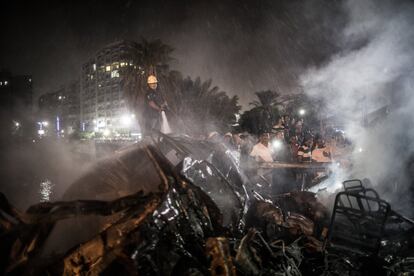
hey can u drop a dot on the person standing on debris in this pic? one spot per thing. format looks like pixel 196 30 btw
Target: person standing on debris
pixel 155 104
pixel 261 151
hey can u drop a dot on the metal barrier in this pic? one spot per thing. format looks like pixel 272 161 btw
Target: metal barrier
pixel 358 219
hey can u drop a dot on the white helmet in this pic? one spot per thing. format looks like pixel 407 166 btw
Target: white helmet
pixel 152 79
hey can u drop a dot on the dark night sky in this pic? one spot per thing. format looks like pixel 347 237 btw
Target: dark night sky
pixel 244 46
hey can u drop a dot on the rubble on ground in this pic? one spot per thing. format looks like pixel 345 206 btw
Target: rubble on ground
pixel 203 217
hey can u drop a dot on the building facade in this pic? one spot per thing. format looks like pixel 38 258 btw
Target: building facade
pixel 16 93
pixel 61 110
pixel 16 105
pixel 102 103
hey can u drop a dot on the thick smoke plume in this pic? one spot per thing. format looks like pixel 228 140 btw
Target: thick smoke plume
pixel 374 69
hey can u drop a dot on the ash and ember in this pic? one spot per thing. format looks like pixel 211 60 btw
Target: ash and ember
pixel 186 206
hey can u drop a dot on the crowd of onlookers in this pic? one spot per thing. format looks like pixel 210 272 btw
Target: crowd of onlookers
pixel 290 140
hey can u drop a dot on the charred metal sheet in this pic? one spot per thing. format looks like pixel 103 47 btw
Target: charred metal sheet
pixel 203 220
pixel 217 187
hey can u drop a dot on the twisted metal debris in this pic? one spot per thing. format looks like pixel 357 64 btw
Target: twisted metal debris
pixel 202 216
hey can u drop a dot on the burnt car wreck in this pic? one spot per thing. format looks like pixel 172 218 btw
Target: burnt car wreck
pixel 183 207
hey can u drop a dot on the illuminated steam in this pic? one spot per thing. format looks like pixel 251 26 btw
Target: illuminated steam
pixel 373 69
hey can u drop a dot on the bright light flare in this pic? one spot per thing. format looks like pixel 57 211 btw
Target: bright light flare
pixel 126 120
pixel 106 132
pixel 277 144
pixel 302 112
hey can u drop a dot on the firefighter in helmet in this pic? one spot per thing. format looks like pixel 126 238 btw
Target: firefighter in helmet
pixel 155 104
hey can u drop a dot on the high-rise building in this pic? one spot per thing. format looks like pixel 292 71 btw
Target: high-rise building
pixel 61 109
pixel 16 95
pixel 102 103
pixel 15 105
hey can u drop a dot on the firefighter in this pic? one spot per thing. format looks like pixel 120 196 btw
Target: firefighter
pixel 155 104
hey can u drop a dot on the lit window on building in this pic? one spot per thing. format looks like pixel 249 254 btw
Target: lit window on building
pixel 122 64
pixel 91 77
pixel 6 82
pixel 1 83
pixel 94 67
pixel 115 74
pixel 30 80
pixel 108 68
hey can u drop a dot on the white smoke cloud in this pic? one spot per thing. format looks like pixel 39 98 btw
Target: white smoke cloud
pixel 374 68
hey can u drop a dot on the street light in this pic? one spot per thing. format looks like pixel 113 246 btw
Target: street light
pixel 106 132
pixel 126 120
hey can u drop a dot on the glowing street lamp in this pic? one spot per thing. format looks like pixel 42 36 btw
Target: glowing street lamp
pixel 127 119
pixel 106 132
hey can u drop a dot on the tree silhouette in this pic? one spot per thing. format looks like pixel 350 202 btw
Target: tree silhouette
pixel 264 114
pixel 200 107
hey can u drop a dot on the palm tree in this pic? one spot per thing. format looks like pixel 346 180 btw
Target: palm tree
pixel 200 107
pixel 313 107
pixel 264 114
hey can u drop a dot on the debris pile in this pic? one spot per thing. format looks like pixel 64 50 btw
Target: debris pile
pixel 205 218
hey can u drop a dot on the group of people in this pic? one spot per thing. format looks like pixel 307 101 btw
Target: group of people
pixel 294 145
pixel 278 145
pixel 285 144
